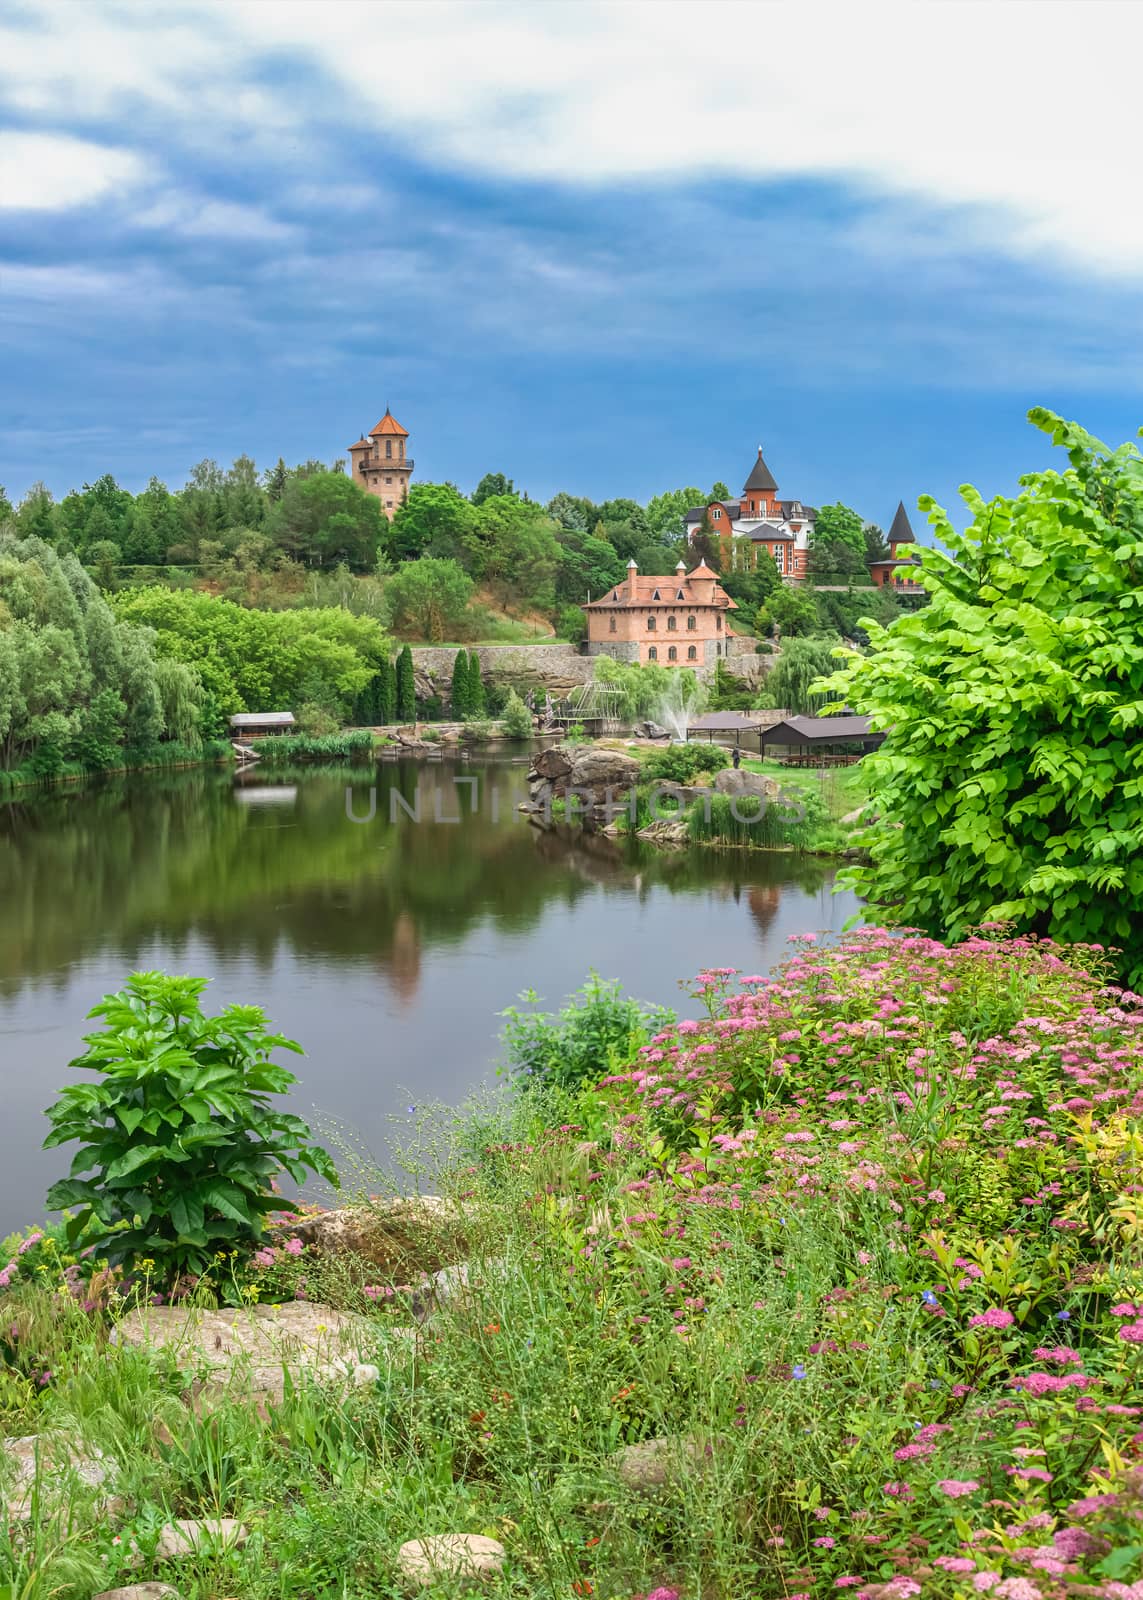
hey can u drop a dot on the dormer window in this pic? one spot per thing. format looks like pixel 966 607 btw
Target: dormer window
pixel 680 595
pixel 655 596
pixel 615 596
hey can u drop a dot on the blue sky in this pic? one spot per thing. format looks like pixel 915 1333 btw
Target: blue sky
pixel 606 247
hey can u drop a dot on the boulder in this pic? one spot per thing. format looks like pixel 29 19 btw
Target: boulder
pixel 408 1233
pixel 186 1537
pixel 652 730
pixel 733 780
pixel 140 1591
pixel 59 1461
pixel 649 1467
pixel 253 1349
pixel 597 768
pixel 469 1557
pixel 552 764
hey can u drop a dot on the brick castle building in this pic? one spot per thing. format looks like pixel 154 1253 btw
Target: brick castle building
pixel 379 462
pixel 780 528
pixel 895 571
pixel 677 621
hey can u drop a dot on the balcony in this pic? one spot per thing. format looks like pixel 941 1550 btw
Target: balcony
pixel 367 464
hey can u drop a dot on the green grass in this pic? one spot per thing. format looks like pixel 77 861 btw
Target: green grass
pixel 841 789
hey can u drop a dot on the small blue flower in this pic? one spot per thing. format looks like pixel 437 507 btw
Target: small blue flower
pixel 1063 1316
pixel 797 1372
pixel 929 1298
pixel 935 1383
pixel 410 1109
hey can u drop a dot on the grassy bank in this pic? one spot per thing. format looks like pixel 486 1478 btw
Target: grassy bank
pixel 291 749
pixel 862 1244
pixel 161 757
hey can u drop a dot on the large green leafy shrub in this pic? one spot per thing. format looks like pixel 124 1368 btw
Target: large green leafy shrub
pixel 1010 779
pixel 179 1132
pixel 599 1031
pixel 679 763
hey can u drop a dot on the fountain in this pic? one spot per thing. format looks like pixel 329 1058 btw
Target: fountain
pixel 681 700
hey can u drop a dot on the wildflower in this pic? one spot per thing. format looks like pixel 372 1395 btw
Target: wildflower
pixel 294 1247
pixel 848 1580
pixel 955 1563
pixel 994 1317
pixel 929 1297
pixel 955 1488
pixel 1063 1316
pixel 797 1372
pixel 983 1581
pixel 1132 1332
pixel 263 1258
pixel 365 1375
pixel 492 1327
pixel 825 1544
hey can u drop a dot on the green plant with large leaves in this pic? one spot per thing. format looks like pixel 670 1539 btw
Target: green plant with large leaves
pixel 1011 777
pixel 179 1133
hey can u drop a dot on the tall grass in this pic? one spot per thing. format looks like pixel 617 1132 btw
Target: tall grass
pixel 285 749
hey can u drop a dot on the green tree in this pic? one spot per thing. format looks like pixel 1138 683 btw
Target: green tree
pixel 719 491
pixel 790 611
pixel 406 687
pixel 516 719
pixel 325 518
pixel 477 704
pixel 428 598
pixel 244 500
pixel 838 525
pixel 388 692
pixel 801 664
pixel 275 480
pixel 572 512
pixel 492 483
pixel 513 550
pixel 588 566
pixel 459 695
pixel 876 544
pixel 666 513
pixel 104 556
pixel 1010 776
pixel 434 520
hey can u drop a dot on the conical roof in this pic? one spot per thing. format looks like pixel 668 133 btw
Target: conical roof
pixel 760 475
pixel 900 532
pixel 389 424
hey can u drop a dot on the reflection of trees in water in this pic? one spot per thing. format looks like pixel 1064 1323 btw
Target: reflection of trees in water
pixel 177 857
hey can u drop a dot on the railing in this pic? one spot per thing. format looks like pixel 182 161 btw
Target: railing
pixel 373 465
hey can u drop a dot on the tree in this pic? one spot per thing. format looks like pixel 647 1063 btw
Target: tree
pixel 325 518
pixel 434 520
pixel 719 491
pixel 516 719
pixel 666 513
pixel 1010 775
pixel 492 483
pixel 838 525
pixel 789 610
pixel 104 555
pixel 572 512
pixel 706 544
pixel 476 701
pixel 387 696
pixel 588 566
pixel 428 598
pixel 459 696
pixel 406 687
pixel 513 549
pixel 6 509
pixel 802 663
pixel 275 479
pixel 876 545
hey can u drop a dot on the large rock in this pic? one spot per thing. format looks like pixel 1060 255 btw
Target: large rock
pixel 59 1461
pixel 555 764
pixel 733 780
pixel 651 1466
pixel 255 1349
pixel 598 768
pixel 467 1557
pixel 140 1591
pixel 406 1234
pixel 186 1537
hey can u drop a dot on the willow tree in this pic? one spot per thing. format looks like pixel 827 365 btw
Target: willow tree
pixel 1010 779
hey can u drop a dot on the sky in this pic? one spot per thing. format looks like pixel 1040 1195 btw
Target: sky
pixel 603 247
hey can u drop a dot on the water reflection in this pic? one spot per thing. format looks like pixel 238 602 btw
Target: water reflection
pixel 387 947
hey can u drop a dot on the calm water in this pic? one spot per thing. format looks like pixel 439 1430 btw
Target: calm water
pixel 386 948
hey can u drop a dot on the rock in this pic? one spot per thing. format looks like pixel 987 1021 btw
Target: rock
pixel 862 814
pixel 541 792
pixel 253 1350
pixel 468 1556
pixel 553 763
pixel 403 1236
pixel 652 730
pixel 665 833
pixel 186 1537
pixel 732 780
pixel 649 1467
pixel 59 1460
pixel 598 768
pixel 141 1591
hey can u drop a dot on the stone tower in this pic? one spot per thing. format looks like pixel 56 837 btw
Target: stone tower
pixel 381 464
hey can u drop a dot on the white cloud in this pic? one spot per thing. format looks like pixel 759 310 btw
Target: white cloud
pixel 1022 119
pixel 49 171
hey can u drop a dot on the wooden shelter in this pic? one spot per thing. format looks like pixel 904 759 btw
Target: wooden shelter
pixel 820 741
pixel 261 724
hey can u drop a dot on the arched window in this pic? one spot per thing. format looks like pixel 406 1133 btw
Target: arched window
pixel 718 621
pixel 672 624
pixel 692 652
pixel 611 623
pixel 388 449
pixel 650 624
pixel 672 654
pixel 692 624
pixel 652 653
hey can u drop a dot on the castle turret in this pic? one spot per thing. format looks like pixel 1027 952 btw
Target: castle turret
pixel 759 490
pixel 381 464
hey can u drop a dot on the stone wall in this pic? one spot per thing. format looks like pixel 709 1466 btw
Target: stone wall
pixel 558 667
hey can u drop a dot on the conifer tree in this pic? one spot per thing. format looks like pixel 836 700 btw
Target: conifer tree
pixel 388 692
pixel 406 687
pixel 476 702
pixel 460 691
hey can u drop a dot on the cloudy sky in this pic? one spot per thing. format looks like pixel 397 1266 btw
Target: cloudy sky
pixel 608 246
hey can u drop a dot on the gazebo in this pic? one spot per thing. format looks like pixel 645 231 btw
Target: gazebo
pixel 260 724
pixel 725 723
pixel 820 741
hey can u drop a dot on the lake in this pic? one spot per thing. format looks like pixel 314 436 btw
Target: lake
pixel 386 947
